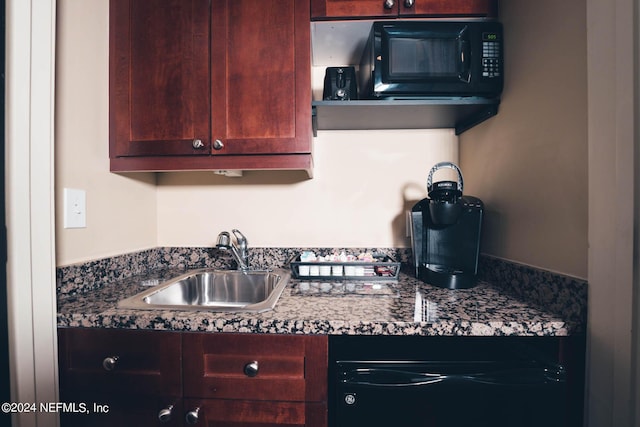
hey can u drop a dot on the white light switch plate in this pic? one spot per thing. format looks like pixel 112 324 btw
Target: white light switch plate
pixel 75 208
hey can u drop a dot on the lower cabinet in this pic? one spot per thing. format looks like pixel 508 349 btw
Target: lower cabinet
pixel 256 379
pixel 133 377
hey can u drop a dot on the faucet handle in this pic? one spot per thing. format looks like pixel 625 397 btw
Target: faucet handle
pixel 240 238
pixel 224 240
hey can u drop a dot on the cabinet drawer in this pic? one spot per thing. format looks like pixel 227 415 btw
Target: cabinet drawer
pixel 254 367
pixel 110 410
pixel 229 413
pixel 116 360
pixel 327 9
pixel 450 8
pixel 340 9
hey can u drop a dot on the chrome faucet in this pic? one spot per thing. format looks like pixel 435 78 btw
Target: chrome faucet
pixel 239 252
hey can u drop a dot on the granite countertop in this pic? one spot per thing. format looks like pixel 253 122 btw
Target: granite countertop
pixel 408 307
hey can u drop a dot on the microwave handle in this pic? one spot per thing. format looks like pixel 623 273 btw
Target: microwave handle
pixel 465 61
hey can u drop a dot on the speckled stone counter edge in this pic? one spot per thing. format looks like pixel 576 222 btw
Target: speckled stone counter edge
pixel 553 292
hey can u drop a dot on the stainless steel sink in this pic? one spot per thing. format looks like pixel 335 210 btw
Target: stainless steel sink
pixel 214 290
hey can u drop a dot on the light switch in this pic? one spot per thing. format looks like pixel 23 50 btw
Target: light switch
pixel 75 208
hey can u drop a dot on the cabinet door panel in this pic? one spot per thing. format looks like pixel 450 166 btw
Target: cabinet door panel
pixel 261 76
pixel 148 362
pixel 122 411
pixel 326 9
pixel 214 366
pixel 159 77
pixel 450 8
pixel 234 413
pixel 329 9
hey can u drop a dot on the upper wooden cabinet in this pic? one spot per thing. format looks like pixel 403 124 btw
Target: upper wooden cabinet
pixel 210 84
pixel 339 9
pixel 159 77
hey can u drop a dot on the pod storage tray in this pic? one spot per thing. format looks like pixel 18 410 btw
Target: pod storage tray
pixel 382 268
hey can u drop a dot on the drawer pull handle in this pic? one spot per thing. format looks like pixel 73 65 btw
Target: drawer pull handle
pixel 192 416
pixel 388 4
pixel 164 416
pixel 218 145
pixel 109 363
pixel 251 369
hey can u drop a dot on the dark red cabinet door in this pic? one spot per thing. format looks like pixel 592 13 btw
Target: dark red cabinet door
pixel 159 77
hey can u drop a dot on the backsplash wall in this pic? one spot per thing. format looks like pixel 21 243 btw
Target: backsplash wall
pixel 363 183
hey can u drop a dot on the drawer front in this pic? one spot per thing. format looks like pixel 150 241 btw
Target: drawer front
pixel 246 366
pixel 234 413
pixel 451 8
pixel 115 360
pixel 109 410
pixel 323 9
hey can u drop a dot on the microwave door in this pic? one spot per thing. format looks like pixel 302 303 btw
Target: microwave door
pixel 428 59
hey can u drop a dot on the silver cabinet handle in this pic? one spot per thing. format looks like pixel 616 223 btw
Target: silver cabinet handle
pixel 164 416
pixel 251 369
pixel 409 3
pixel 197 144
pixel 218 145
pixel 388 4
pixel 109 363
pixel 192 416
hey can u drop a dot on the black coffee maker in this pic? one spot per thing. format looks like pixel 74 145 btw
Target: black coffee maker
pixel 445 233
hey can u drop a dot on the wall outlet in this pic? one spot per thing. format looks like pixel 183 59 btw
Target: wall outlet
pixel 75 208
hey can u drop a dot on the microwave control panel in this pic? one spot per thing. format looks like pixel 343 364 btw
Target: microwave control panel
pixel 491 47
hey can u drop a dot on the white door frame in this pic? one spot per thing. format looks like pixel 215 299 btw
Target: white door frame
pixel 29 169
pixel 612 353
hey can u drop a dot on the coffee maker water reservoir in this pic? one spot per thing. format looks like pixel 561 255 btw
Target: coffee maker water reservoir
pixel 445 233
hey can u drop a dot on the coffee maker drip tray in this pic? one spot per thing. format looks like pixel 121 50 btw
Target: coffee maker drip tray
pixel 445 276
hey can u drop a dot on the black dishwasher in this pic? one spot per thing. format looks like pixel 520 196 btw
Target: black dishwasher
pixel 445 382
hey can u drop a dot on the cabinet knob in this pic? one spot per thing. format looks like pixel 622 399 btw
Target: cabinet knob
pixel 218 145
pixel 251 369
pixel 408 3
pixel 192 416
pixel 197 144
pixel 109 363
pixel 388 4
pixel 164 416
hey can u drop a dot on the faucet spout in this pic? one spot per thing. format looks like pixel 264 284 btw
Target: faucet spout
pixel 238 251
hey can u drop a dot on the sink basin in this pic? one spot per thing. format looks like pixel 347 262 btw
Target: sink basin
pixel 214 290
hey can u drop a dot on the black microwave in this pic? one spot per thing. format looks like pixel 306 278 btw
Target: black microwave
pixel 424 59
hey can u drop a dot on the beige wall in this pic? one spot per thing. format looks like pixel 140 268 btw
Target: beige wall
pixel 363 181
pixel 529 163
pixel 121 210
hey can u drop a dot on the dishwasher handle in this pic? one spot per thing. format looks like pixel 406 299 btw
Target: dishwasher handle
pixel 384 377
